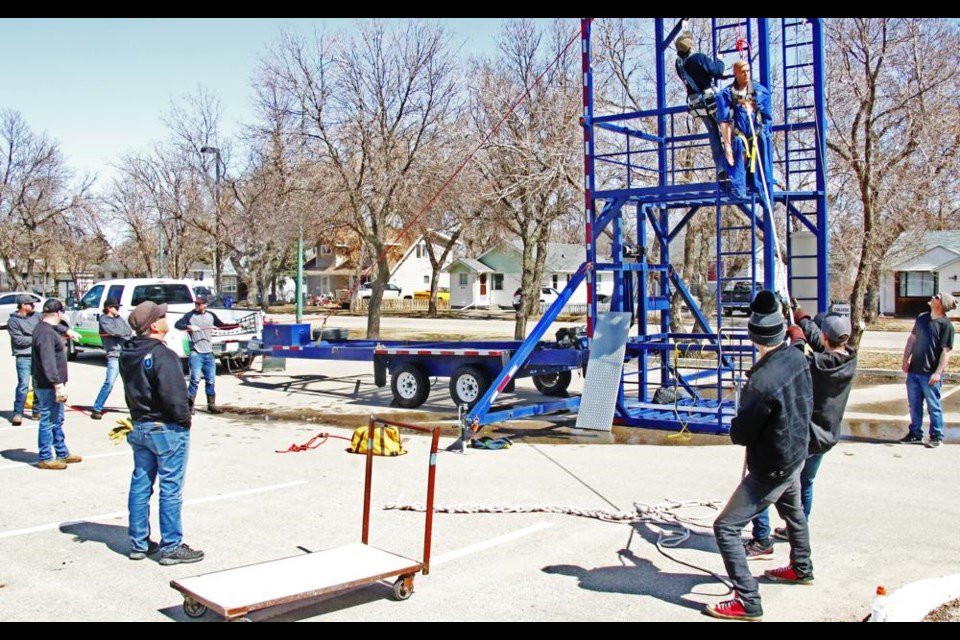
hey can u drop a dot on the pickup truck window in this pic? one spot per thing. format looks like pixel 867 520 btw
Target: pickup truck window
pixel 91 300
pixel 115 293
pixel 162 293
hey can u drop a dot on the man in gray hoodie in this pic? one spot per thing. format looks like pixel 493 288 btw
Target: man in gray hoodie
pixel 114 331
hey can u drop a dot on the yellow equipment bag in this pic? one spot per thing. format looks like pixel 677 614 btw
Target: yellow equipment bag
pixel 28 403
pixel 386 441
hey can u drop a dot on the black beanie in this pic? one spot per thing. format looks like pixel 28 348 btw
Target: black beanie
pixel 766 326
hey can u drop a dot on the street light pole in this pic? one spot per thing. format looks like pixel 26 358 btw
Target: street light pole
pixel 217 258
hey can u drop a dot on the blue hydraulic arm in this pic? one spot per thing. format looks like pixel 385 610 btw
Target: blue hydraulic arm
pixel 526 349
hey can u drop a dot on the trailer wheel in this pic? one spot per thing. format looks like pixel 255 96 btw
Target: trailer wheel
pixel 410 386
pixel 553 384
pixel 467 385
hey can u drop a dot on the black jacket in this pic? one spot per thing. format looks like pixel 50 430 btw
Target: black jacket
pixel 702 69
pixel 832 375
pixel 773 420
pixel 49 357
pixel 153 382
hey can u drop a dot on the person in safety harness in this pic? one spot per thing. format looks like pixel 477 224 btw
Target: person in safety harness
pixel 698 73
pixel 743 111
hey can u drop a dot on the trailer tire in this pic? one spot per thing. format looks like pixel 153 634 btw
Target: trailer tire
pixel 410 386
pixel 553 384
pixel 467 385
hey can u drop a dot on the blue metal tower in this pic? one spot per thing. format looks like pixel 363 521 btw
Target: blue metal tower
pixel 634 155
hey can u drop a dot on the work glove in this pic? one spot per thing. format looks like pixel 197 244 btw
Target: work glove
pixel 61 391
pixel 799 314
pixel 119 433
pixel 795 334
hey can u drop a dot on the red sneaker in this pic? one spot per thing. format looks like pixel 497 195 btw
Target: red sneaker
pixel 734 610
pixel 788 575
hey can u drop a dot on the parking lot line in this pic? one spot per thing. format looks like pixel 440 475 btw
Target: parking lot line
pixel 123 514
pixel 489 544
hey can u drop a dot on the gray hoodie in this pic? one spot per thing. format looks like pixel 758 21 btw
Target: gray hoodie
pixel 114 331
pixel 21 329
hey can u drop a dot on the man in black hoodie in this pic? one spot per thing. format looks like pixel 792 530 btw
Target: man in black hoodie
pixel 833 366
pixel 773 423
pixel 157 398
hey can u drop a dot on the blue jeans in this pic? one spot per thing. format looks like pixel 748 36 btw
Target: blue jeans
pixel 205 364
pixel 919 390
pixel 113 370
pixel 51 425
pixel 754 494
pixel 158 450
pixel 716 147
pixel 761 524
pixel 24 373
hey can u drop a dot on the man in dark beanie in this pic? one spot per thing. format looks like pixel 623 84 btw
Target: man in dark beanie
pixel 773 422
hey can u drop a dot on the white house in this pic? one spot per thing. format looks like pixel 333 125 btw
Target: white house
pixel 412 272
pixel 906 287
pixel 491 278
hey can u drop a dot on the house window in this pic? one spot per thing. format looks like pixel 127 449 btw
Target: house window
pixel 426 279
pixel 556 281
pixel 463 279
pixel 917 284
pixel 325 250
pixel 498 282
pixel 422 250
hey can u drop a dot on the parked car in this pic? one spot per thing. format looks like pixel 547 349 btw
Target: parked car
pixel 547 295
pixel 8 304
pixel 737 296
pixel 390 290
pixel 442 294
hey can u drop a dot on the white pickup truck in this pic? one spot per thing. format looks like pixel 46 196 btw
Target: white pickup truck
pixel 228 344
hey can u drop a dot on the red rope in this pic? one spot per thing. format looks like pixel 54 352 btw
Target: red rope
pixel 312 443
pixel 456 172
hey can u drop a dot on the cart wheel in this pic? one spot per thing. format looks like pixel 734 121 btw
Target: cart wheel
pixel 193 608
pixel 403 587
pixel 467 385
pixel 552 384
pixel 410 386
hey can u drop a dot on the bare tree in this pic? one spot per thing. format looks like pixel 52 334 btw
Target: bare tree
pixel 36 191
pixel 371 106
pixel 893 132
pixel 530 169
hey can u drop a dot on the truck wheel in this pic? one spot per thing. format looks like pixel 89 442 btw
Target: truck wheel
pixel 467 385
pixel 410 386
pixel 553 384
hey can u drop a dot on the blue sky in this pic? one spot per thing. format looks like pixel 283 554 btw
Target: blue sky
pixel 99 86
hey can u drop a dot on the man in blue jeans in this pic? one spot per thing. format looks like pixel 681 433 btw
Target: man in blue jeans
pixel 114 331
pixel 198 323
pixel 925 358
pixel 160 439
pixel 773 423
pixel 49 386
pixel 20 327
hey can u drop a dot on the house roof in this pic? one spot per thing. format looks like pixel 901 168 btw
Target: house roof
pixel 561 257
pixel 933 259
pixel 472 265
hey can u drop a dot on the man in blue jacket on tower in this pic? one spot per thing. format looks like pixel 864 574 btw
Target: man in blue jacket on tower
pixel 698 72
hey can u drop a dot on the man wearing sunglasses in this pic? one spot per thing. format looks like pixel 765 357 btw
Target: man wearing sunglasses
pixel 925 358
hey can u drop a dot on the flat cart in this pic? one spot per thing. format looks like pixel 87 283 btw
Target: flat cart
pixel 233 593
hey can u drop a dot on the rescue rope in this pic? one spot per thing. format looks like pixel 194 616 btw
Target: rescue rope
pixel 312 443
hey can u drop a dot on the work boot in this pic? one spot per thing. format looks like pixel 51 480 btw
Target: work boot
pixel 17 420
pixel 35 415
pixel 96 415
pixel 71 459
pixel 212 405
pixel 192 400
pixel 52 464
